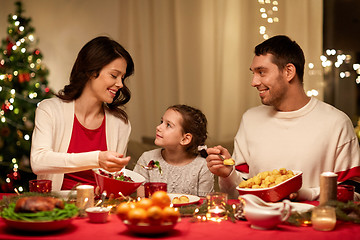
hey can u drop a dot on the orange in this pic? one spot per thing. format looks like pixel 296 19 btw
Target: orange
pixel 161 199
pixel 144 203
pixel 137 215
pixel 170 214
pixel 123 209
pixel 154 215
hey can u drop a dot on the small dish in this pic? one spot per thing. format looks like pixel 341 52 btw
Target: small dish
pixel 192 199
pixel 98 214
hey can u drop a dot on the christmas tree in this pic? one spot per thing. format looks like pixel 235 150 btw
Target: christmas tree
pixel 23 85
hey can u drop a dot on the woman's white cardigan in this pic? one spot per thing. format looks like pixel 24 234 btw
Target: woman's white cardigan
pixel 54 120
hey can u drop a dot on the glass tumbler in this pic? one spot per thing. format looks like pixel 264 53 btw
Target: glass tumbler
pixel 216 206
pixel 323 218
pixel 151 187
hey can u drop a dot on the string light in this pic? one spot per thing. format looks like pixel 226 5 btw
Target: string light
pixel 267 10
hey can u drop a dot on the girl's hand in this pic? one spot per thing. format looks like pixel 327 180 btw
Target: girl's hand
pixel 216 164
pixel 112 161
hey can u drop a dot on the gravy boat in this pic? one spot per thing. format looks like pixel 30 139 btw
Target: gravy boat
pixel 262 215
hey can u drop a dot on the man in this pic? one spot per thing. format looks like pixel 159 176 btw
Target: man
pixel 290 130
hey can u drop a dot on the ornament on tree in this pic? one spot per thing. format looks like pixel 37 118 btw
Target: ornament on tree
pixel 24 77
pixel 9 48
pixel 5 107
pixel 23 86
pixel 5 131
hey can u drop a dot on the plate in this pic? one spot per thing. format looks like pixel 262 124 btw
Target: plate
pixel 192 199
pixel 146 229
pixel 300 207
pixel 296 206
pixel 39 226
pixel 65 194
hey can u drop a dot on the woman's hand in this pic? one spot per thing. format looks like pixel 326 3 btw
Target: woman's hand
pixel 112 161
pixel 214 162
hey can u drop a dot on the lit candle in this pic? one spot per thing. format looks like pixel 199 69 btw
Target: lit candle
pixel 216 206
pixel 323 218
pixel 84 197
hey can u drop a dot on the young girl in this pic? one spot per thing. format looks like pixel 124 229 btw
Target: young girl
pixel 181 131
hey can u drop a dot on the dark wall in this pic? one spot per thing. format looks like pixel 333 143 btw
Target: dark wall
pixel 341 32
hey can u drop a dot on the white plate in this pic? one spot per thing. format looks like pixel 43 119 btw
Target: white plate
pixel 192 199
pixel 65 194
pixel 297 207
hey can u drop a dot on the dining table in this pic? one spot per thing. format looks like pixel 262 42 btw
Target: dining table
pixel 186 228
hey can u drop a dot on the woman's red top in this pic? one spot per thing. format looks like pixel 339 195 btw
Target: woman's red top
pixel 84 140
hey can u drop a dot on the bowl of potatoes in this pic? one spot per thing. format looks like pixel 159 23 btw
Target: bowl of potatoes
pixel 272 186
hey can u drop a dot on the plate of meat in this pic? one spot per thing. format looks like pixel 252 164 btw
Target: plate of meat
pixel 39 214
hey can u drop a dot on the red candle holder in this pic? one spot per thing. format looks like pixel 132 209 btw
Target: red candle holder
pixel 151 187
pixel 345 193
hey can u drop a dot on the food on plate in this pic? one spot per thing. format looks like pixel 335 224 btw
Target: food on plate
pixel 37 204
pixel 39 208
pixel 117 175
pixel 148 210
pixel 180 200
pixel 267 179
pixel 229 162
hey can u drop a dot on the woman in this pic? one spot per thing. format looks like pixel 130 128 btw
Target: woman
pixel 84 127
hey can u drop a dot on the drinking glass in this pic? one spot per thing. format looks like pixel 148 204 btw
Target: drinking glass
pixel 151 187
pixel 323 218
pixel 216 206
pixel 345 193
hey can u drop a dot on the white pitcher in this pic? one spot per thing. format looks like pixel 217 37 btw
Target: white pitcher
pixel 263 215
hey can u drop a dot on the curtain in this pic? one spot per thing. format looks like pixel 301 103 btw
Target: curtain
pixel 198 52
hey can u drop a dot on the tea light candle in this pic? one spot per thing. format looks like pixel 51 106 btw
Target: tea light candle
pixel 328 187
pixel 323 218
pixel 216 206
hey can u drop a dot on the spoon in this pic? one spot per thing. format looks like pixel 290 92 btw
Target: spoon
pixel 152 164
pixel 145 167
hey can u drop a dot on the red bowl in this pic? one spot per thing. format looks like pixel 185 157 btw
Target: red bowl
pixel 278 192
pixel 115 186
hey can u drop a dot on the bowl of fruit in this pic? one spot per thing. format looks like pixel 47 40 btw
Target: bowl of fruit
pixel 149 216
pixel 120 183
pixel 272 186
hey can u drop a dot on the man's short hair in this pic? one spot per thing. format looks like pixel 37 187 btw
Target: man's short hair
pixel 284 51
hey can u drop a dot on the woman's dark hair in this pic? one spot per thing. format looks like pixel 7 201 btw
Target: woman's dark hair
pixel 194 122
pixel 93 56
pixel 284 51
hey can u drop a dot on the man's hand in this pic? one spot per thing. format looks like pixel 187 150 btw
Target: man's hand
pixel 216 164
